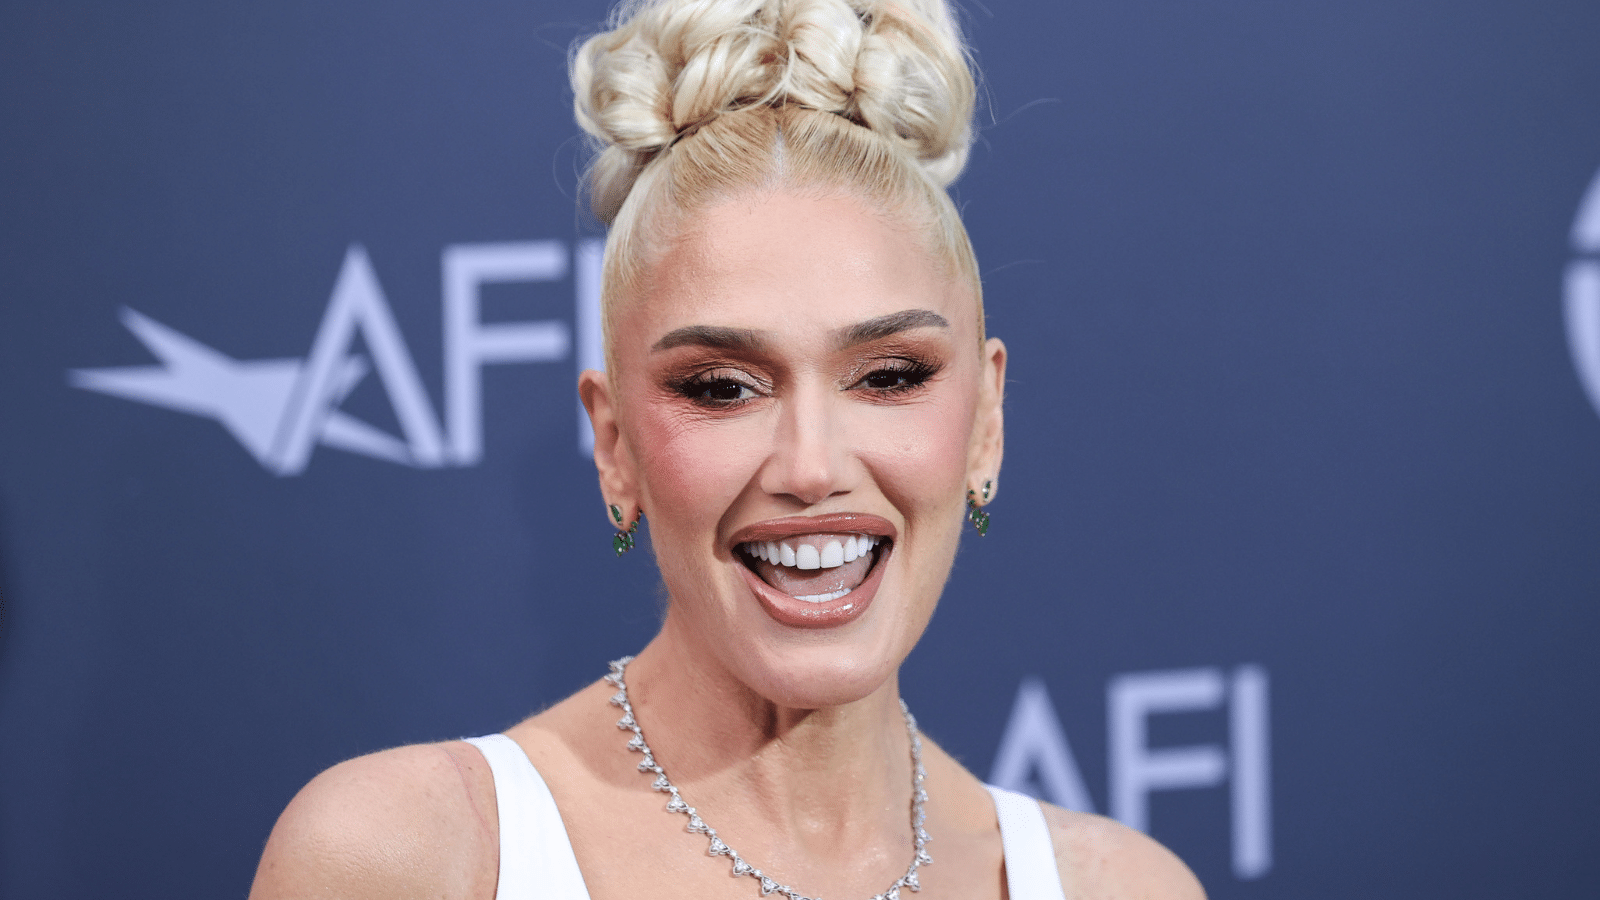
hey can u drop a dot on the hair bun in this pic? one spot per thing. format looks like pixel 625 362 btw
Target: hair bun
pixel 668 67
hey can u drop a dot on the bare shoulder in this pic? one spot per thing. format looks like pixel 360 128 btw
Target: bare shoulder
pixel 409 822
pixel 1101 858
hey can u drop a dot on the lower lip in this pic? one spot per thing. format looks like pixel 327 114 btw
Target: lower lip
pixel 800 614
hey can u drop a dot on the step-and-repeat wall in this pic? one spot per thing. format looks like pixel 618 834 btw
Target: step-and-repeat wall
pixel 1297 564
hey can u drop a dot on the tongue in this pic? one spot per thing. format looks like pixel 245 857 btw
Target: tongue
pixel 810 582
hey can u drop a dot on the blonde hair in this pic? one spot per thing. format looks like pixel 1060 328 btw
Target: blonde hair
pixel 689 102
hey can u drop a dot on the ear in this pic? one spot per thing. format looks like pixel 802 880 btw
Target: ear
pixel 988 432
pixel 613 459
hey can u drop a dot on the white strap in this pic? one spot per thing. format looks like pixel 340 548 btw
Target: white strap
pixel 1031 872
pixel 537 863
pixel 536 860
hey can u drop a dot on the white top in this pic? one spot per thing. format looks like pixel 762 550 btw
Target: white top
pixel 537 863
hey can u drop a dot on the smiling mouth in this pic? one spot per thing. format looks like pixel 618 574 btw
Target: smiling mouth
pixel 814 568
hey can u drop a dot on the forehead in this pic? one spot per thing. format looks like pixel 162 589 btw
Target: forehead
pixel 781 260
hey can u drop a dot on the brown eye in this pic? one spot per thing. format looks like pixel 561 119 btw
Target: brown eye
pixel 900 377
pixel 717 389
pixel 885 380
pixel 726 391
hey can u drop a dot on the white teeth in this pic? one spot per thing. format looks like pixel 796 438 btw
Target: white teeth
pixel 803 555
pixel 807 557
pixel 832 555
pixel 823 598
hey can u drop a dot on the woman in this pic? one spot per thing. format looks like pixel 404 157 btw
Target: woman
pixel 801 398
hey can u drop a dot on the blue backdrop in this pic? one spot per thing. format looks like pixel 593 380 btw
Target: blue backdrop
pixel 1298 550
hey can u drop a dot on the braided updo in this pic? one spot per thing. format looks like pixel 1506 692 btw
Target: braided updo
pixel 691 101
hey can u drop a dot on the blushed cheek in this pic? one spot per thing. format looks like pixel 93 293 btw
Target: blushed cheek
pixel 920 458
pixel 690 472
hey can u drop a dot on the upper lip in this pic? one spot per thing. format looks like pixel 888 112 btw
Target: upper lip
pixel 833 523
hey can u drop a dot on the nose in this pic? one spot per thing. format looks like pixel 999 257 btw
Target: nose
pixel 810 458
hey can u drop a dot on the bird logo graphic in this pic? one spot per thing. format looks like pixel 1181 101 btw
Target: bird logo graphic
pixel 280 410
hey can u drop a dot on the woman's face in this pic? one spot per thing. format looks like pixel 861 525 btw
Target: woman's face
pixel 800 405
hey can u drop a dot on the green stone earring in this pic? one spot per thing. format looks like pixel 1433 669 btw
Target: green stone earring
pixel 622 541
pixel 975 513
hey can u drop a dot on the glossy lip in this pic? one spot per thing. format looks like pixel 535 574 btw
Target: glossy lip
pixel 833 523
pixel 798 613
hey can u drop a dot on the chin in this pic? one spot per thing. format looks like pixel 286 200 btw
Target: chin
pixel 819 668
pixel 820 677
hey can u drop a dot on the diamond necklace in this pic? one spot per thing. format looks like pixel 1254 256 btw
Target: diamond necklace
pixel 718 847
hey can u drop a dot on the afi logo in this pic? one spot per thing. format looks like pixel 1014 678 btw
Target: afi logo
pixel 1035 758
pixel 1583 293
pixel 281 409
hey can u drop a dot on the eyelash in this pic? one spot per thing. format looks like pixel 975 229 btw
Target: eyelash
pixel 697 388
pixel 911 375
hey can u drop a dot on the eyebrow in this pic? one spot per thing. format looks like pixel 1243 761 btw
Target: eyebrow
pixel 893 323
pixel 749 340
pixel 717 338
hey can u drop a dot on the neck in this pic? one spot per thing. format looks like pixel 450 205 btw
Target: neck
pixel 826 777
